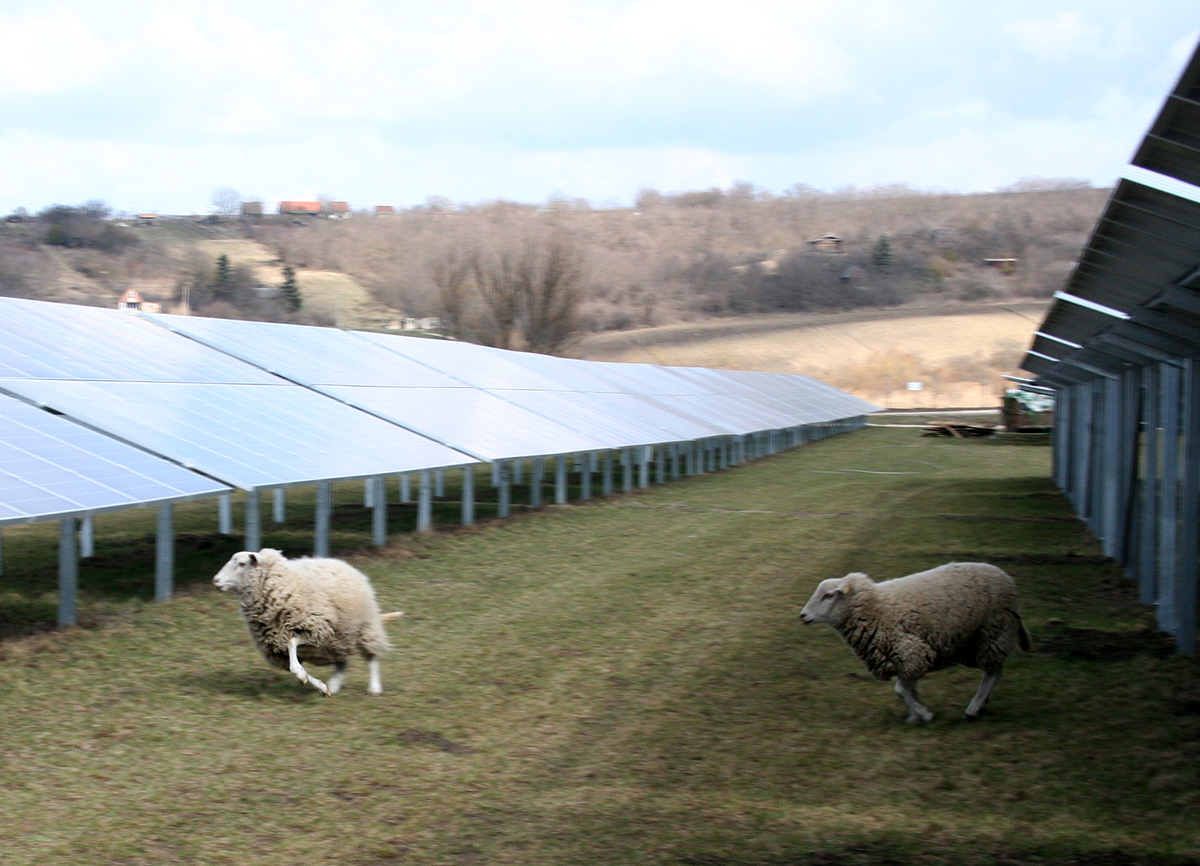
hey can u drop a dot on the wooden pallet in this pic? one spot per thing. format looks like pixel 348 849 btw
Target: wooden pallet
pixel 958 429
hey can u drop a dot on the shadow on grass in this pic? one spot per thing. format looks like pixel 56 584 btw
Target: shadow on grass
pixel 266 685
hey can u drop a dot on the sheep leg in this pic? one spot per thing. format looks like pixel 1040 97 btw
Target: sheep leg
pixel 298 670
pixel 335 680
pixel 918 712
pixel 374 683
pixel 981 697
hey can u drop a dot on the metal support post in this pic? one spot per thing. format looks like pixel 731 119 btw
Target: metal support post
pixel 68 571
pixel 225 514
pixel 425 503
pixel 379 511
pixel 500 472
pixel 322 517
pixel 253 539
pixel 560 479
pixel 87 537
pixel 468 495
pixel 164 554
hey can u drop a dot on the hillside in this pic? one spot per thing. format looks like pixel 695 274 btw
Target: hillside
pixel 687 258
pixel 957 353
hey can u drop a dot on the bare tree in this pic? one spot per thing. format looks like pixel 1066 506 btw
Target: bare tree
pixel 227 201
pixel 553 298
pixel 503 282
pixel 533 296
pixel 451 273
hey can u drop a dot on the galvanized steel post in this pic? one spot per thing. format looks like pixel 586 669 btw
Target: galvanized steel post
pixel 425 503
pixel 379 511
pixel 322 517
pixel 164 553
pixel 468 495
pixel 68 571
pixel 225 514
pixel 253 537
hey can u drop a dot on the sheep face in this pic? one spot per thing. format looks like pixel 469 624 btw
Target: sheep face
pixel 828 602
pixel 232 575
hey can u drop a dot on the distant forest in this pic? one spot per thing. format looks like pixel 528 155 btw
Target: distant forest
pixel 540 276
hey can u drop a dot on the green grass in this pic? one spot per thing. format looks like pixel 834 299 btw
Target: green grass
pixel 621 681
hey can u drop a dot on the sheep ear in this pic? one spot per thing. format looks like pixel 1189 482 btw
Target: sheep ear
pixel 847 591
pixel 254 559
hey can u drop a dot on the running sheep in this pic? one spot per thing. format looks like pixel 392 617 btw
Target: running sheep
pixel 319 611
pixel 960 613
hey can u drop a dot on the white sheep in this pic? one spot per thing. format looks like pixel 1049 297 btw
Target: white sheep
pixel 319 611
pixel 959 613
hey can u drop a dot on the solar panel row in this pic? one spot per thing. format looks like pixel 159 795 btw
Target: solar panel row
pixel 261 405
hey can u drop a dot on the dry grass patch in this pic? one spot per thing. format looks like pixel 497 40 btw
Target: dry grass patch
pixel 958 354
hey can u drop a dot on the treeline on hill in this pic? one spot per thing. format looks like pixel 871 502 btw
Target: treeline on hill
pixel 540 276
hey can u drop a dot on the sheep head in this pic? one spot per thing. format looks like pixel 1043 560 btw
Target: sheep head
pixel 233 574
pixel 830 600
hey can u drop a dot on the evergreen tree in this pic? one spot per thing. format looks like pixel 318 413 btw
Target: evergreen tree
pixel 289 290
pixel 882 256
pixel 222 287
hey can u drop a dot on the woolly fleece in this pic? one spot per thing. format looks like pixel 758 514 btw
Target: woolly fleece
pixel 329 604
pixel 960 613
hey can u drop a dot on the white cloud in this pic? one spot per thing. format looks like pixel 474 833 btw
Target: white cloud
pixel 377 102
pixel 1059 36
pixel 48 54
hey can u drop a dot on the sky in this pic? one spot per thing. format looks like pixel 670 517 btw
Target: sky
pixel 153 106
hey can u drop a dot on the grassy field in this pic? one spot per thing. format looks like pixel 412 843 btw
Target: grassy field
pixel 623 681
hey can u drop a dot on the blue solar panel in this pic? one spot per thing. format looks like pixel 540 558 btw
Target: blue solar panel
pixel 476 422
pixel 311 356
pixel 65 341
pixel 51 467
pixel 249 436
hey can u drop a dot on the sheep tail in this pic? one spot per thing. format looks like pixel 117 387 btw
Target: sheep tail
pixel 388 617
pixel 1025 638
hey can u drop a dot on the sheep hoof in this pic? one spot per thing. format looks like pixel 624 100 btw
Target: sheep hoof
pixel 915 718
pixel 970 717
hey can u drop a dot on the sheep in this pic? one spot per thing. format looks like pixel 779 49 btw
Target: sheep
pixel 319 611
pixel 958 613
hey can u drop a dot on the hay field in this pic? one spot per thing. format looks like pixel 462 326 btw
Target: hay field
pixel 957 353
pixel 625 681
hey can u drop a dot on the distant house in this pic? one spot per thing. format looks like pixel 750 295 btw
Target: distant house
pixel 252 208
pixel 428 323
pixel 384 210
pixel 293 208
pixel 131 302
pixel 338 210
pixel 147 218
pixel 826 243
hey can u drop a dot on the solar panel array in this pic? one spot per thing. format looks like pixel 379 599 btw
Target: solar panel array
pixel 497 405
pixel 259 405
